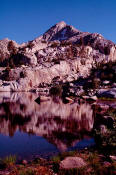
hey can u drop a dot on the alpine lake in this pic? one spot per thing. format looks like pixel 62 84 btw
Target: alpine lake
pixel 29 129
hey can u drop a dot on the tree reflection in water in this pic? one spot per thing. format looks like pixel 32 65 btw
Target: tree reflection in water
pixel 61 124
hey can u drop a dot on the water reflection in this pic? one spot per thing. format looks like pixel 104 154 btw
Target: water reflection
pixel 63 125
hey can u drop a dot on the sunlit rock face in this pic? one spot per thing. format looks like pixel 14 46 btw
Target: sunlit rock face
pixel 66 71
pixel 60 123
pixel 61 51
pixel 60 31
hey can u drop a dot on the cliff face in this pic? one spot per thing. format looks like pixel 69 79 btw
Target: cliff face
pixel 62 51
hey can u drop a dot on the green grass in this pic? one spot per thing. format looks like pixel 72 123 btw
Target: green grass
pixel 27 172
pixel 9 160
pixel 61 156
pixel 107 99
pixel 56 90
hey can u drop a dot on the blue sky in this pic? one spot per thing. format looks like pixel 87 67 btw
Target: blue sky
pixel 23 20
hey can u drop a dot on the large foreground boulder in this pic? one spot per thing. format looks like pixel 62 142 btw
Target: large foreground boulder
pixel 72 162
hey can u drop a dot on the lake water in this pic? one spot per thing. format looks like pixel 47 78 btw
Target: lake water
pixel 29 129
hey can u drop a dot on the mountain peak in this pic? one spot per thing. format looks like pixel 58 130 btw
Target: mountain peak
pixel 61 24
pixel 60 31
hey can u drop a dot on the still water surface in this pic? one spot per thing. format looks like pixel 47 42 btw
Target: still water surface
pixel 28 129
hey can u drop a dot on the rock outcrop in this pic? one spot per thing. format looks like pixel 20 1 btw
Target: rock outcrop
pixel 107 93
pixel 62 51
pixel 72 162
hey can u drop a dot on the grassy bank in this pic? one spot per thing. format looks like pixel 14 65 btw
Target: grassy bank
pixel 96 164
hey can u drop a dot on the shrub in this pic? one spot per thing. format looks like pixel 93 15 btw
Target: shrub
pixel 30 44
pixel 22 74
pixel 96 83
pixel 65 43
pixel 12 48
pixel 44 42
pixel 9 160
pixel 105 71
pixel 83 61
pixel 2 56
pixel 82 53
pixel 56 61
pixel 56 91
pixel 6 75
pixel 11 63
pixel 54 44
pixel 27 172
pixel 69 53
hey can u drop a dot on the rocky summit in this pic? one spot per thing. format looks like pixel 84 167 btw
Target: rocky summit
pixel 62 54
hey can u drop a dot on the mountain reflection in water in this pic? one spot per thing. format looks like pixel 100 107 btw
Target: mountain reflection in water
pixel 52 126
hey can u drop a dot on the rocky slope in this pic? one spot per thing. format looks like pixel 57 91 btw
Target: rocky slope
pixel 63 53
